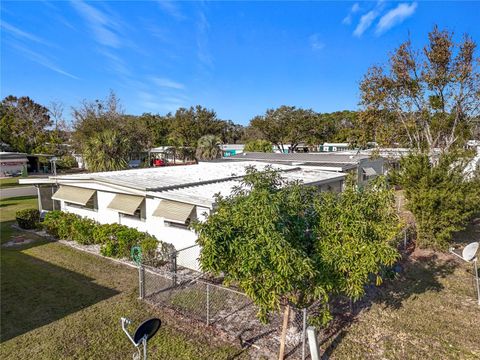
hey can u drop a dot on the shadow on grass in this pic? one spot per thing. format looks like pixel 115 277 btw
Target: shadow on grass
pixel 420 275
pixel 16 198
pixel 35 293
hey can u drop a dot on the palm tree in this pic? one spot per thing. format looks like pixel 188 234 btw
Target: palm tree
pixel 106 151
pixel 208 147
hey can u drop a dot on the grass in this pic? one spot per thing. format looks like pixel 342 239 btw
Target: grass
pixel 10 182
pixel 429 312
pixel 59 303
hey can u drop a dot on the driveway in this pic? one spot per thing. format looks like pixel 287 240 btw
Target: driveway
pixel 17 191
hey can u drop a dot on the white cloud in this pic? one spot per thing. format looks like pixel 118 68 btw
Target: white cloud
pixel 103 26
pixel 163 82
pixel 203 51
pixel 43 60
pixel 316 43
pixel 171 9
pixel 395 16
pixel 365 22
pixel 23 34
pixel 347 20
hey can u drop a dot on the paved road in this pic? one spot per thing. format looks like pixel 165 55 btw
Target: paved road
pixel 17 191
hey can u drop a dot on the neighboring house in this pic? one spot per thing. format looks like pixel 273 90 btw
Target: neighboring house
pixel 333 147
pixel 12 163
pixel 364 166
pixel 231 149
pixel 474 164
pixel 162 201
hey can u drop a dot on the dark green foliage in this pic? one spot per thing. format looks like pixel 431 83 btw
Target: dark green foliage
pixel 28 218
pixel 60 224
pixel 258 146
pixel 115 240
pixel 288 243
pixel 82 230
pixel 103 233
pixel 50 223
pixel 67 162
pixel 439 195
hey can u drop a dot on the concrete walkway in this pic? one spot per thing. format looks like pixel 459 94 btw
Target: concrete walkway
pixel 18 191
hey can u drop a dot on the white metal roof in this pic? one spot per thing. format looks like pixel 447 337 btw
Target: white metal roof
pixel 204 194
pixel 172 176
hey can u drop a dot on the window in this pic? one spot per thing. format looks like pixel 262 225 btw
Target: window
pixel 92 204
pixel 139 214
pixel 178 225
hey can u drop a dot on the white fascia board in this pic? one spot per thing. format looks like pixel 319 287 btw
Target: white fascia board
pixel 36 181
pixel 100 186
pixel 175 197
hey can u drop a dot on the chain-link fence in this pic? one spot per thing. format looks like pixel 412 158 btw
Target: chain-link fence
pixel 228 310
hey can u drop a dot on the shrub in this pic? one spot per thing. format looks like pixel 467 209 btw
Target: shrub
pixel 67 162
pixel 105 232
pixel 116 240
pixel 109 248
pixel 126 239
pixel 28 218
pixel 440 196
pixel 258 146
pixel 50 223
pixel 82 230
pixel 65 226
pixel 60 224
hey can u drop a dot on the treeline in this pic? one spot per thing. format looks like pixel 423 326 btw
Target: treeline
pixel 33 128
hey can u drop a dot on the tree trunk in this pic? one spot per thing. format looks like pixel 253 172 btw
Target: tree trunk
pixel 286 316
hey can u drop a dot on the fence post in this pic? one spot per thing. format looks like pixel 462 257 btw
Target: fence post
pixel 208 303
pixel 141 281
pixel 312 342
pixel 304 332
pixel 174 268
pixel 405 239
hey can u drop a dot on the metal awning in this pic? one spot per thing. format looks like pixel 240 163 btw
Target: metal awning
pixel 126 204
pixel 174 211
pixel 73 194
pixel 369 171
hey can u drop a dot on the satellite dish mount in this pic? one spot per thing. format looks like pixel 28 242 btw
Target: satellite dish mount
pixel 144 332
pixel 469 254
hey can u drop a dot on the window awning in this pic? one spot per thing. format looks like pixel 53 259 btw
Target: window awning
pixel 73 194
pixel 126 204
pixel 174 211
pixel 369 171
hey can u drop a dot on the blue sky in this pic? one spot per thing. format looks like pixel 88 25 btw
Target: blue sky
pixel 238 58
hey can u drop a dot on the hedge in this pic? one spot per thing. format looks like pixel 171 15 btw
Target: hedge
pixel 28 218
pixel 115 240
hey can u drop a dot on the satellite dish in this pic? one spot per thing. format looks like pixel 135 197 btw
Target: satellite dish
pixel 469 251
pixel 147 329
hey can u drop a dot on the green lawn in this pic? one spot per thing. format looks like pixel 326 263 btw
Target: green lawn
pixel 59 303
pixel 429 312
pixel 10 182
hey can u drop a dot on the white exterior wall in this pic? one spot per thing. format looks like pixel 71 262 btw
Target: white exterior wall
pixel 179 238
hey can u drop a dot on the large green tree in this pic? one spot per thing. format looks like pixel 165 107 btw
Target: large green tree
pixel 24 124
pixel 189 125
pixel 287 244
pixel 286 125
pixel 426 98
pixel 107 117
